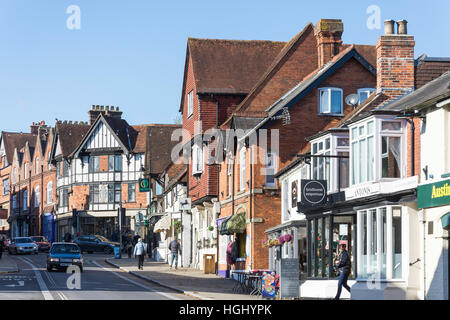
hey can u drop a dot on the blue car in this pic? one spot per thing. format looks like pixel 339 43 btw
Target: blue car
pixel 63 255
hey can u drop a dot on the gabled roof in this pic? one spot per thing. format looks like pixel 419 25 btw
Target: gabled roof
pixel 228 66
pixel 313 80
pixel 17 140
pixel 160 145
pixel 429 68
pixel 70 135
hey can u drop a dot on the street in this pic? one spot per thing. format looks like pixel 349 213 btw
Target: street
pixel 98 281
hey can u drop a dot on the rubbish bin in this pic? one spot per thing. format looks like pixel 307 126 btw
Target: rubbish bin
pixel 117 253
pixel 209 263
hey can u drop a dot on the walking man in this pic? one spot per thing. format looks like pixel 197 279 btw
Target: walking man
pixel 139 252
pixel 343 265
pixel 174 247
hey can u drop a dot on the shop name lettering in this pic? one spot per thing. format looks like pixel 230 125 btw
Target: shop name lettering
pixel 227 309
pixel 362 192
pixel 440 192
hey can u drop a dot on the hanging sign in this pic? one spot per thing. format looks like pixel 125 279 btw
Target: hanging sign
pixel 313 193
pixel 144 185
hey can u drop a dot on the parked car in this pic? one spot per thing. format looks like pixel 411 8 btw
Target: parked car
pixel 63 255
pixel 22 245
pixel 42 242
pixel 95 243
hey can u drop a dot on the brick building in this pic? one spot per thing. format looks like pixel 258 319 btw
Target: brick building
pixel 302 91
pixel 218 74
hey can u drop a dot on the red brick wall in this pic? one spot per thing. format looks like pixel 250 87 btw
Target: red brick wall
pixel 417 168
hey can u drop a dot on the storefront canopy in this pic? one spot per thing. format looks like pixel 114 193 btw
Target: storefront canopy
pixel 236 223
pixel 163 224
pixel 445 220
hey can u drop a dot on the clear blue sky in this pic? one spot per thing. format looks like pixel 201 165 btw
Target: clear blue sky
pixel 131 53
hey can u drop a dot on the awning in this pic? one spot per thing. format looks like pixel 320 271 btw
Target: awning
pixel 237 223
pixel 163 224
pixel 222 226
pixel 445 220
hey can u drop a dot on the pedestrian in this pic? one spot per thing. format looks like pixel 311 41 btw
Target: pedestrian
pixel 129 247
pixel 174 247
pixel 139 252
pixel 67 237
pixel 343 265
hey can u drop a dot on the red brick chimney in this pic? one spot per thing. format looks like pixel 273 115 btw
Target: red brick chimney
pixel 395 60
pixel 109 111
pixel 328 33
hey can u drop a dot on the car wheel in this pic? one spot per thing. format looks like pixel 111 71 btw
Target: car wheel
pixel 107 250
pixel 49 269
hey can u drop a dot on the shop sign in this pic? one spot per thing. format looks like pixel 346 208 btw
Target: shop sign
pixel 313 192
pixel 144 185
pixel 433 194
pixel 362 191
pixel 289 278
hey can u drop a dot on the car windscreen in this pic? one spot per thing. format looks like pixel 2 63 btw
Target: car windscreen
pixel 38 239
pixel 102 238
pixel 65 248
pixel 23 240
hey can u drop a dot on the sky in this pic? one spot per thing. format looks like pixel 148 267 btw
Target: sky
pixel 131 53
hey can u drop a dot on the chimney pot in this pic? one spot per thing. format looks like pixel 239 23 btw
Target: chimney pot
pixel 389 26
pixel 401 27
pixel 101 107
pixel 93 107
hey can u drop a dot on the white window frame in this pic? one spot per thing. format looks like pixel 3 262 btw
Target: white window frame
pixel 190 103
pixel 25 169
pixel 273 167
pixel 5 186
pixel 363 90
pixel 49 163
pixel 389 248
pixel 197 159
pixel 230 178
pixel 330 89
pixel 376 151
pixel 25 199
pixel 36 196
pixel 242 168
pixel 332 150
pixel 36 169
pixel 49 192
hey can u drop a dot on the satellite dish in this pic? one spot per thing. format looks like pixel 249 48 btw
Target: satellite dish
pixel 352 99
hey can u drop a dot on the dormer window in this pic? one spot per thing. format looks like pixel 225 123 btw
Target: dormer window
pixel 330 101
pixel 364 93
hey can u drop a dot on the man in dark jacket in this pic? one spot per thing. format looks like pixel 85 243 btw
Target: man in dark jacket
pixel 343 265
pixel 174 247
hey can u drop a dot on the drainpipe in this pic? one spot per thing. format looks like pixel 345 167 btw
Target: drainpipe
pixel 251 207
pixel 41 220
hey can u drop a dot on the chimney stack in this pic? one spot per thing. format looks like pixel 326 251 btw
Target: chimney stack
pixel 105 110
pixel 395 61
pixel 328 33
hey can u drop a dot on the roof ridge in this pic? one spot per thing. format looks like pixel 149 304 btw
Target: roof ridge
pixel 234 40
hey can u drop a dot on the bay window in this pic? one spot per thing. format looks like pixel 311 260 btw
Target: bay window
pixel 330 161
pixel 380 238
pixel 330 101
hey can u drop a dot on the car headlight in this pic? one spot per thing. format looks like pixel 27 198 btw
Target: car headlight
pixel 54 259
pixel 19 248
pixel 77 260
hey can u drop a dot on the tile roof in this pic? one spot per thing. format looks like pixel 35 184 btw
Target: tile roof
pixel 17 140
pixel 160 145
pixel 429 68
pixel 230 66
pixel 70 135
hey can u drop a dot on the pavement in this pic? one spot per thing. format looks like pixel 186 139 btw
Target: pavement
pixel 8 264
pixel 191 282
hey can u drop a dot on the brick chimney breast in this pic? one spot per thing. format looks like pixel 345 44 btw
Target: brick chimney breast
pixel 395 61
pixel 328 33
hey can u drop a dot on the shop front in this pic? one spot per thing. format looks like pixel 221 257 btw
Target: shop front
pixel 433 200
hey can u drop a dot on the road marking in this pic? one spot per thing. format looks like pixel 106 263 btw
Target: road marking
pixel 21 284
pixel 137 283
pixel 47 295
